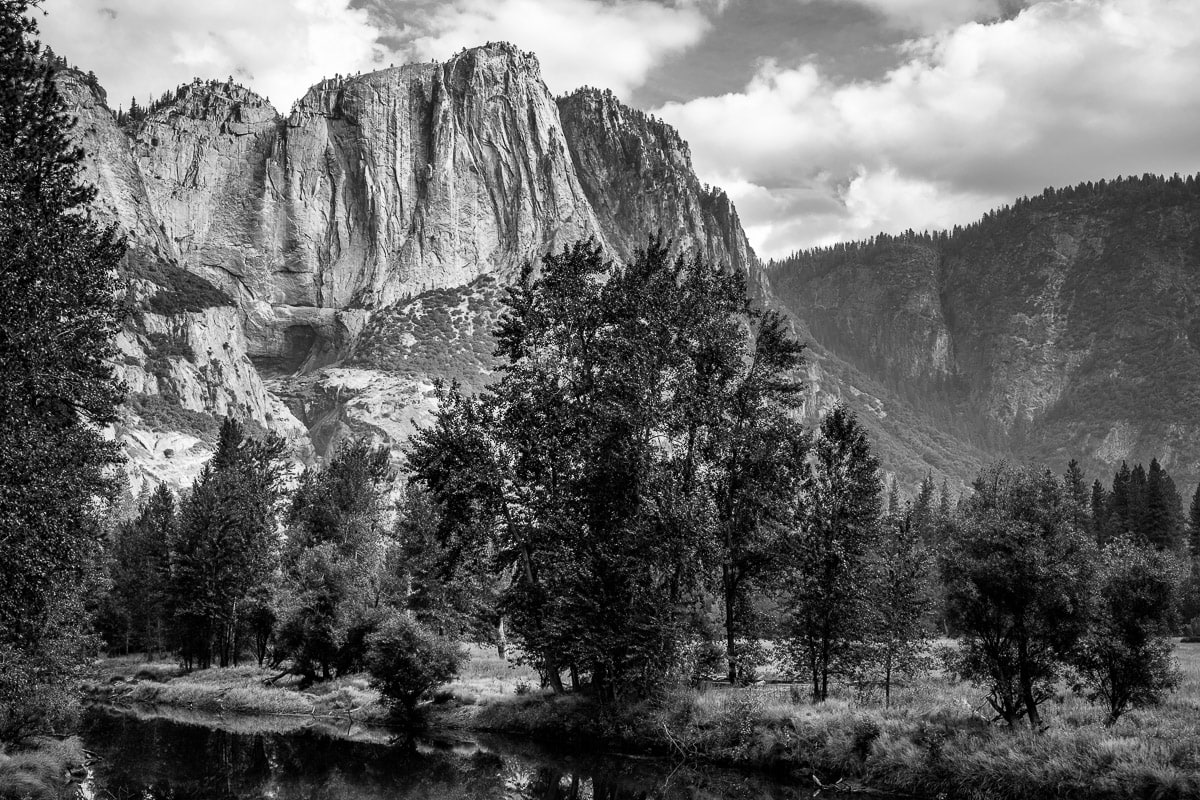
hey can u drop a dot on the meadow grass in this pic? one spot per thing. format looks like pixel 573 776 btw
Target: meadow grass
pixel 485 677
pixel 937 737
pixel 47 769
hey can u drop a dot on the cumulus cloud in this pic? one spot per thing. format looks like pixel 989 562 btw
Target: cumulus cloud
pixel 276 47
pixel 281 47
pixel 1067 90
pixel 934 15
pixel 578 42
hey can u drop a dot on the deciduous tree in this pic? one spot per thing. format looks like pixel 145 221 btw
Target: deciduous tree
pixel 226 546
pixel 830 551
pixel 1018 579
pixel 1125 659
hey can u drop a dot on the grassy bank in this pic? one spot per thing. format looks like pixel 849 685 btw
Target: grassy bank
pixel 937 737
pixel 47 769
pixel 133 680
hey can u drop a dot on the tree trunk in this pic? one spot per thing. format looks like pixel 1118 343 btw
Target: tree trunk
pixel 816 673
pixel 887 679
pixel 730 641
pixel 1035 719
pixel 552 676
pixel 501 640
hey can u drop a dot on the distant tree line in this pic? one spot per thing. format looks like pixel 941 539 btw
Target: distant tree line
pixel 1131 191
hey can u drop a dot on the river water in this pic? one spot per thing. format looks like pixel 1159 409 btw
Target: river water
pixel 172 755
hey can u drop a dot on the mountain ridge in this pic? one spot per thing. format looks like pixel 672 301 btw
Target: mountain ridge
pixel 314 272
pixel 1066 325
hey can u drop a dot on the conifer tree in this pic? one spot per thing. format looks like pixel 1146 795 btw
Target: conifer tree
pixel 924 513
pixel 140 573
pixel 1120 513
pixel 1100 507
pixel 1136 517
pixel 1160 525
pixel 1077 491
pixel 58 317
pixel 1194 524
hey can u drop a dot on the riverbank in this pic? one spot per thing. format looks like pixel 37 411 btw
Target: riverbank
pixel 46 769
pixel 935 739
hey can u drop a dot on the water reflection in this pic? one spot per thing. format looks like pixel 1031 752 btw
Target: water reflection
pixel 181 758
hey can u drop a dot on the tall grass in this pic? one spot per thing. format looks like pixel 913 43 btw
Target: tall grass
pixel 937 737
pixel 47 770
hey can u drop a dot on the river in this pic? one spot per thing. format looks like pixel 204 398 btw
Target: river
pixel 174 755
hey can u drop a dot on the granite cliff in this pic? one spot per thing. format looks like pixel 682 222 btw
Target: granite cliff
pixel 314 271
pixel 1065 326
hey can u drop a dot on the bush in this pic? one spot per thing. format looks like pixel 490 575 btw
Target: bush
pixel 1126 660
pixel 406 662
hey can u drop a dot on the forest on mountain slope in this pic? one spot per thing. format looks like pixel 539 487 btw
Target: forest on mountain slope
pixel 1066 325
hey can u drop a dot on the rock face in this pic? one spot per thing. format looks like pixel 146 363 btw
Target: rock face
pixel 1064 327
pixel 313 272
pixel 637 174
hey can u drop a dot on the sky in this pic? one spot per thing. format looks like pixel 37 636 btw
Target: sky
pixel 824 120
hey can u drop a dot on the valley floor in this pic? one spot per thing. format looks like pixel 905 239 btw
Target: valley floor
pixel 935 740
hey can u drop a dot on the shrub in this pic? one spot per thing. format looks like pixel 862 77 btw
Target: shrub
pixel 1126 660
pixel 406 662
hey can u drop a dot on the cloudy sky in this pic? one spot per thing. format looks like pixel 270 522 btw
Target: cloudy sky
pixel 824 119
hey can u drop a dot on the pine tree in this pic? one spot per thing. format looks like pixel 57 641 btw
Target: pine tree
pixel 1136 521
pixel 924 514
pixel 1077 492
pixel 1194 524
pixel 58 317
pixel 1100 506
pixel 140 573
pixel 1160 526
pixel 1119 514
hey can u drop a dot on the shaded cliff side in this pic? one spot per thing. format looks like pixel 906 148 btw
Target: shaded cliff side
pixel 1064 326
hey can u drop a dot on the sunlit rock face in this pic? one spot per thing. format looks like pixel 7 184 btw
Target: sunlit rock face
pixel 313 271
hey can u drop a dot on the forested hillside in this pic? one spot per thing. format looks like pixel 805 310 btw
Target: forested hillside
pixel 1066 324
